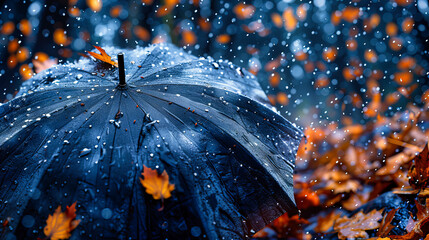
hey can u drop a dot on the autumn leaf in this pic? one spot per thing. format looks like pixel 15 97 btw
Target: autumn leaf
pixel 343 186
pixel 420 230
pixel 103 56
pixel 326 223
pixel 355 201
pixel 356 226
pixel 60 224
pixel 307 197
pixel 386 227
pixel 157 185
pixel 287 226
pixel 419 172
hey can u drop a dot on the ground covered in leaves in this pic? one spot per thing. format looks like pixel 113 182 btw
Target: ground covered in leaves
pixel 362 181
pixel 362 175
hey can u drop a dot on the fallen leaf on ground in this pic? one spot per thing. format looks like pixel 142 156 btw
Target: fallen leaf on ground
pixel 343 186
pixel 355 200
pixel 356 226
pixel 306 197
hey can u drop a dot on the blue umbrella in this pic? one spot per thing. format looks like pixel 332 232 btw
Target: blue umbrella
pixel 82 132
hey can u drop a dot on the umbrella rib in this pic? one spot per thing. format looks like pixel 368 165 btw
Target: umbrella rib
pixel 278 173
pixel 111 152
pixel 217 76
pixel 288 132
pixel 162 99
pixel 81 70
pixel 34 172
pixel 142 64
pixel 165 69
pixel 210 162
pixel 35 151
pixel 16 148
pixel 144 61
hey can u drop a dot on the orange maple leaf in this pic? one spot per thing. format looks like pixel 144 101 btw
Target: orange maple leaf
pixel 157 185
pixel 60 224
pixel 356 226
pixel 43 65
pixel 103 56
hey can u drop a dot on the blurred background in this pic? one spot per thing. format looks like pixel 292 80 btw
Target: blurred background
pixel 353 74
pixel 342 61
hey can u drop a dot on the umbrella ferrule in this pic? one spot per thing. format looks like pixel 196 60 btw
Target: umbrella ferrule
pixel 121 67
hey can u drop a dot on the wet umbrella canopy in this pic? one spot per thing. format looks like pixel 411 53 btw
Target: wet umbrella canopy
pixel 75 134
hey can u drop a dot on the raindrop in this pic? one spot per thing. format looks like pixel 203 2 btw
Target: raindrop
pixel 28 221
pixel 215 65
pixel 79 76
pixel 195 231
pixel 35 194
pixel 84 152
pixel 106 213
pixel 239 71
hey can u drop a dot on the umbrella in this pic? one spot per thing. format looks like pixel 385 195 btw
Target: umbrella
pixel 84 132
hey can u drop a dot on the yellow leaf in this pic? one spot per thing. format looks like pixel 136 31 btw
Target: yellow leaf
pixel 157 185
pixel 103 56
pixel 60 224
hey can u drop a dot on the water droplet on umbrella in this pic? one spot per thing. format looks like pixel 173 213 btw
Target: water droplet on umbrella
pixel 35 193
pixel 28 221
pixel 84 152
pixel 79 76
pixel 195 231
pixel 164 225
pixel 215 65
pixel 239 71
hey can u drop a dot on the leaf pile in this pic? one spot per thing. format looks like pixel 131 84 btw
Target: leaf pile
pixel 340 169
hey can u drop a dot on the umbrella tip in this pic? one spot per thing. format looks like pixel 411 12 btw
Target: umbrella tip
pixel 121 67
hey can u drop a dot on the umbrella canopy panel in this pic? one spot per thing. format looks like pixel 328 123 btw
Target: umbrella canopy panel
pixel 73 135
